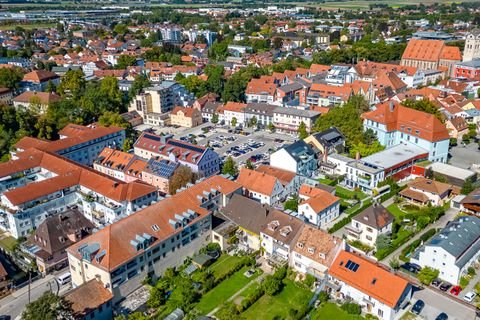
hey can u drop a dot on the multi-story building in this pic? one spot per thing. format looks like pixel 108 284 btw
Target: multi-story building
pixel 36 102
pixel 378 291
pixel 467 69
pixel 185 117
pixel 201 160
pixel 145 244
pixel 453 250
pixel 297 157
pixel 234 110
pixel 394 124
pixel 369 224
pixel 472 46
pixel 158 174
pixel 171 34
pixel 262 187
pixel 261 90
pixel 39 184
pixel 160 99
pixel 38 80
pixel 289 119
pixel 314 251
pixel 6 96
pixel 78 143
pixel 118 164
pixel 317 206
pixel 262 112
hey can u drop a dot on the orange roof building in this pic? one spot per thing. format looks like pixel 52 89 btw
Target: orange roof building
pixel 395 124
pixel 261 186
pixel 368 283
pixel 317 206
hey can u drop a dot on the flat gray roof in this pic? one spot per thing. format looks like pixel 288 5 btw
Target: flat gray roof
pixel 394 155
pixel 296 112
pixel 451 171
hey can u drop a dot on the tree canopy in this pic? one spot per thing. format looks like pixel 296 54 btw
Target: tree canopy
pixel 48 306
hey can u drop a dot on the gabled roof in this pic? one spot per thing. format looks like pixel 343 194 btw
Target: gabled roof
pixel 325 246
pixel 430 186
pixel 317 199
pixel 284 176
pixel 426 50
pixel 259 182
pixel 368 278
pixel 39 76
pixel 88 297
pixel 43 97
pixel 400 118
pixel 375 216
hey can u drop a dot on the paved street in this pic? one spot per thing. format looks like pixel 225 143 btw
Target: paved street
pixel 14 304
pixel 440 223
pixel 436 302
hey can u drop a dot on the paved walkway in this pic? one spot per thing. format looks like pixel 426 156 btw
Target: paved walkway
pixel 260 278
pixel 440 223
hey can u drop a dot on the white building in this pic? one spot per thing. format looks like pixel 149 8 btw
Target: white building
pixel 297 157
pixel 453 250
pixel 369 224
pixel 318 206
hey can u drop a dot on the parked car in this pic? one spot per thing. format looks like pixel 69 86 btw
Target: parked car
pixel 442 316
pixel 412 267
pixel 470 296
pixel 445 286
pixel 436 282
pixel 418 307
pixel 455 290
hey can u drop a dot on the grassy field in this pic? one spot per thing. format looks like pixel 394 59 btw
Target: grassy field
pixel 223 265
pixel 332 311
pixel 27 26
pixel 8 243
pixel 348 194
pixel 278 307
pixel 223 291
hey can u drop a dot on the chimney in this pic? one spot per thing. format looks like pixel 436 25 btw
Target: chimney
pixel 357 156
pixel 391 106
pixel 98 278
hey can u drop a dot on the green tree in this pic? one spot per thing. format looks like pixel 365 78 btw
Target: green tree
pixel 272 285
pixel 427 275
pixel 48 306
pixel 125 61
pixel 425 106
pixel 302 131
pixel 249 164
pixel 120 29
pixel 215 118
pixel 50 87
pixel 139 83
pixel 467 187
pixel 271 127
pixel 394 264
pixel 10 78
pixel 366 150
pixel 72 84
pixel 253 121
pixel 230 167
pixel 291 204
pixel 234 122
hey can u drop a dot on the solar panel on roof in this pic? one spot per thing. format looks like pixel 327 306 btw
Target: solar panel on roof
pixel 152 137
pixel 185 146
pixel 352 266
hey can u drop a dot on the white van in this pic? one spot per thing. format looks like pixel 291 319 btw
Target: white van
pixel 64 278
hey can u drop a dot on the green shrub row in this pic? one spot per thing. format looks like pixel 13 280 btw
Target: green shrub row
pixel 340 224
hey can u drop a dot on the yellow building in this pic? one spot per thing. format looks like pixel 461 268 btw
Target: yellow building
pixel 185 117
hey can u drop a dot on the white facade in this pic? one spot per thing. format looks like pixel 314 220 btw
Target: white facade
pixel 322 218
pixel 365 233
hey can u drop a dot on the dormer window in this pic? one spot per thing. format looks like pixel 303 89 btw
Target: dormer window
pixel 273 225
pixel 300 244
pixel 311 250
pixel 285 231
pixel 321 255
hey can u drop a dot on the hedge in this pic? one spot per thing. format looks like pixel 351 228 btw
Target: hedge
pixel 340 224
pixel 415 244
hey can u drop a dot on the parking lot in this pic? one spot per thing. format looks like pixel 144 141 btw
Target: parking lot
pixel 465 156
pixel 436 302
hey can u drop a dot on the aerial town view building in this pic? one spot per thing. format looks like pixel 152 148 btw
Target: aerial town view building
pixel 240 160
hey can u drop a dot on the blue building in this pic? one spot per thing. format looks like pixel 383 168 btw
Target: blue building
pixel 395 124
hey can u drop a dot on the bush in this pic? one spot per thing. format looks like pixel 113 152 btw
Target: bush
pixel 251 299
pixel 309 281
pixel 272 285
pixel 337 226
pixel 352 308
pixel 427 275
pixel 323 296
pixel 464 282
pixel 471 271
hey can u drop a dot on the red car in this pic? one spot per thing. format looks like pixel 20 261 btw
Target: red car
pixel 456 290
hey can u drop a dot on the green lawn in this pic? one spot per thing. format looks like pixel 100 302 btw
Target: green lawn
pixel 349 194
pixel 278 306
pixel 223 265
pixel 330 310
pixel 396 211
pixel 223 291
pixel 28 26
pixel 251 288
pixel 8 243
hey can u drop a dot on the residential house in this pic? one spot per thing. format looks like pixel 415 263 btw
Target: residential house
pixel 394 124
pixel 457 127
pixel 56 233
pixel 145 244
pixel 38 80
pixel 426 191
pixel 288 120
pixel 261 90
pixel 471 203
pixel 378 291
pixel 369 224
pixel 91 301
pixel 261 112
pixel 297 157
pixel 453 250
pixel 233 110
pixel 118 164
pixel 327 141
pixel 260 186
pixel 185 117
pixel 314 251
pixel 317 206
pixel 158 173
pixel 6 96
pixel 36 102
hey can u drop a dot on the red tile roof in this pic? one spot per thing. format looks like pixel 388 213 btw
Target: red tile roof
pixel 318 199
pixel 44 97
pixel 88 297
pixel 259 182
pixel 39 76
pixel 369 278
pixel 401 118
pixel 426 50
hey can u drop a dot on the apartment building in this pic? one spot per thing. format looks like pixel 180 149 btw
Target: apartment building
pixel 185 117
pixel 317 206
pixel 78 143
pixel 297 157
pixel 289 119
pixel 121 165
pixel 201 160
pixel 145 244
pixel 158 174
pixel 159 99
pixel 262 187
pixel 39 184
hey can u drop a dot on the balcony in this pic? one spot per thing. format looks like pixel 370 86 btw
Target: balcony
pixel 354 230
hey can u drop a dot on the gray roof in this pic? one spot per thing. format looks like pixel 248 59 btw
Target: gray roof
pixel 451 171
pixel 472 64
pixel 394 155
pixel 329 137
pixel 296 112
pixel 299 148
pixel 460 238
pixel 260 109
pixel 294 86
pixel 376 216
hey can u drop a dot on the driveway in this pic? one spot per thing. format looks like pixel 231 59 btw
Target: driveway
pixel 436 302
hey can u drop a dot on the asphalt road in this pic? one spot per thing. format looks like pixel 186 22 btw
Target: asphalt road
pixel 14 304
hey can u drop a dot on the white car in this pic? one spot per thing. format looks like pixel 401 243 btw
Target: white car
pixel 470 296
